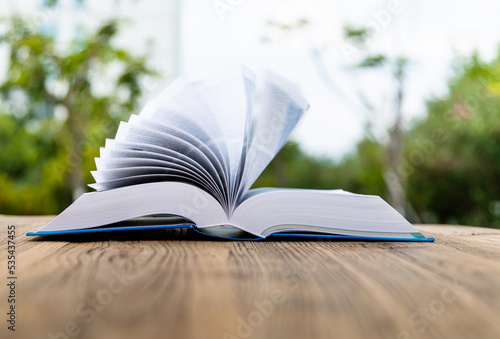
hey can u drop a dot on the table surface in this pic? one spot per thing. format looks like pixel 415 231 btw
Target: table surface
pixel 177 284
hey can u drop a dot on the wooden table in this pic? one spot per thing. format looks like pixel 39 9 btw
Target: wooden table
pixel 175 284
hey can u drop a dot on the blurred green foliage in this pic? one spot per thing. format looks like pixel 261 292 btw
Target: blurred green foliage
pixel 359 172
pixel 453 154
pixel 54 116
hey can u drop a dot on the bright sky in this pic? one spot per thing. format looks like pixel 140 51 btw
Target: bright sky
pixel 430 33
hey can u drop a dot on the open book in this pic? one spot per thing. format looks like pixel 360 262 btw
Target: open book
pixel 190 157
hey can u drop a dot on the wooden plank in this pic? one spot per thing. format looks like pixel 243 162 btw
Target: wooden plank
pixel 177 284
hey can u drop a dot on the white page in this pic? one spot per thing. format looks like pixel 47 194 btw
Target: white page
pixel 276 115
pixel 133 133
pixel 138 180
pixel 110 206
pixel 214 158
pixel 104 164
pixel 118 173
pixel 229 95
pixel 145 150
pixel 181 106
pixel 129 158
pixel 195 128
pixel 326 211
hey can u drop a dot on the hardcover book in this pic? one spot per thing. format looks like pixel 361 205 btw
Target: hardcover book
pixel 190 157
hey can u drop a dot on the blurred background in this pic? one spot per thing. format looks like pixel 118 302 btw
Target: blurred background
pixel 405 95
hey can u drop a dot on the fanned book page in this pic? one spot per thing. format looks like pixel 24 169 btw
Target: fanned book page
pixel 194 152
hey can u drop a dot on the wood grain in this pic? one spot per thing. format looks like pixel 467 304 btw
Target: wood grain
pixel 177 284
